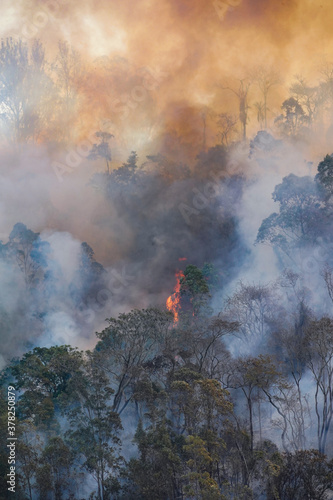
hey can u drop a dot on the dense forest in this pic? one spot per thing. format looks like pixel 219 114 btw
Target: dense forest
pixel 193 358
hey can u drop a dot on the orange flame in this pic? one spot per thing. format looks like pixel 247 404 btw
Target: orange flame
pixel 172 302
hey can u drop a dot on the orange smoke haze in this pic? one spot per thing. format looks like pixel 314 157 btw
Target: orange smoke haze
pixel 189 48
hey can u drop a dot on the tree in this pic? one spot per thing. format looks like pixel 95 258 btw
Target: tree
pixel 327 274
pixel 293 120
pixel 102 150
pixel 308 97
pixel 319 359
pixel 242 96
pixel 290 347
pixel 251 308
pixel 46 376
pixel 265 79
pixel 68 71
pixel 194 290
pixel 125 186
pixel 53 473
pixel 252 376
pixel 156 473
pixel 25 90
pixel 89 278
pixel 324 177
pixel 28 452
pixel 205 346
pixel 293 404
pixel 29 251
pixel 226 124
pixel 304 475
pixel 128 172
pixel 237 462
pixel 301 218
pixel 95 428
pixel 201 405
pixel 200 401
pixel 126 345
pixel 326 90
pixel 260 113
pixel 201 484
pixel 266 467
pixel 262 144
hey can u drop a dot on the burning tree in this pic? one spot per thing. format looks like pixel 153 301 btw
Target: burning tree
pixel 191 293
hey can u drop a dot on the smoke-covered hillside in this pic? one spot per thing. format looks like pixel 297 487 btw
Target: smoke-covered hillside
pixel 166 265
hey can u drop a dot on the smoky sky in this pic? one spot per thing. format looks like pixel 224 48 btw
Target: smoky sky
pixel 192 46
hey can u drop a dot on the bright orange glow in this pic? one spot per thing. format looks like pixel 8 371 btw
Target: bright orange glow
pixel 172 302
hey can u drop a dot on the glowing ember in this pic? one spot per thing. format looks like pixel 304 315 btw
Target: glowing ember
pixel 172 302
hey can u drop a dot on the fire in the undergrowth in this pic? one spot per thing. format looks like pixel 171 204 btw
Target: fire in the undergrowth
pixel 172 302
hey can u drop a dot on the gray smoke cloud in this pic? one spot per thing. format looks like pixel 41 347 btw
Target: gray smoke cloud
pixel 209 212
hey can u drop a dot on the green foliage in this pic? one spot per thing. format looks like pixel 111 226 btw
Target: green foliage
pixel 210 273
pixel 156 472
pixel 53 474
pixel 294 120
pixel 191 440
pixel 194 291
pixel 193 282
pixel 306 474
pixel 200 483
pixel 95 427
pixel 324 176
pixel 47 377
pixel 127 345
pixel 127 173
pixel 301 220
